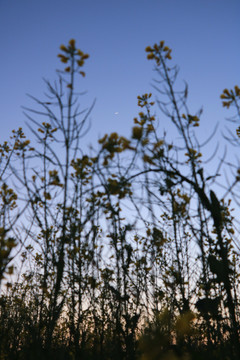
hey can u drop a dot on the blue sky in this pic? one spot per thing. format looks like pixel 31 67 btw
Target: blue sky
pixel 204 36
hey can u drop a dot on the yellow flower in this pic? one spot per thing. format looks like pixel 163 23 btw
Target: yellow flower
pixel 64 59
pixel 85 56
pixel 150 56
pixel 47 195
pixel 80 53
pixel 237 90
pixel 80 62
pixel 226 91
pixel 72 43
pixel 137 132
pixel 168 56
pixel 63 48
pixel 148 49
pixel 150 128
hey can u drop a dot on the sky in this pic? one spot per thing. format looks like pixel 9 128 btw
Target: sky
pixel 203 35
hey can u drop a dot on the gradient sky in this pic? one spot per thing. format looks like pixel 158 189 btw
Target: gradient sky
pixel 203 34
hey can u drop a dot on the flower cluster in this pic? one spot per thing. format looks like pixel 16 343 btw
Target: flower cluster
pixel 191 119
pixel 74 56
pixel 158 52
pixel 231 96
pixel 144 118
pixel 113 144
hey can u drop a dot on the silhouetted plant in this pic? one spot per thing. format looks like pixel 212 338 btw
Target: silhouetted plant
pixel 128 252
